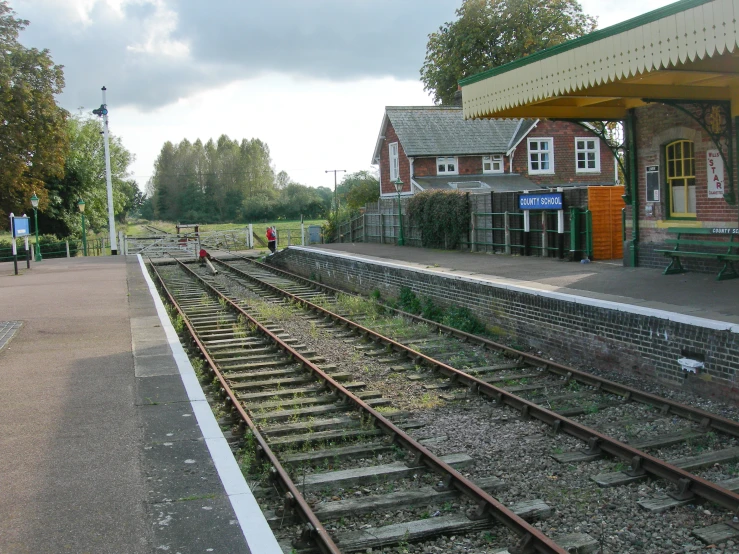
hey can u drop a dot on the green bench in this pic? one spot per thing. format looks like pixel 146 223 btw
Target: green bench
pixel 720 247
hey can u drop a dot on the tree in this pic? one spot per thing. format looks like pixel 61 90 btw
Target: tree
pixel 84 177
pixel 490 33
pixel 359 188
pixel 32 139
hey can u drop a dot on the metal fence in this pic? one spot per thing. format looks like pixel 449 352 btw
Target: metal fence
pixel 62 249
pixel 490 231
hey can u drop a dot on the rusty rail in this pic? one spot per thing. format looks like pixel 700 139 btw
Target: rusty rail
pixel 707 419
pixel 325 544
pixel 530 536
pixel 641 461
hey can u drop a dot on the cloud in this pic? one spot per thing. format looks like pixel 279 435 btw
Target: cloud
pixel 153 53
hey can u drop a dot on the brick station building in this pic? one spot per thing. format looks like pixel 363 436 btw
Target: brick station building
pixel 670 80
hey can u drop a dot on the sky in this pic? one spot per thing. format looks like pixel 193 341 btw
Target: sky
pixel 311 78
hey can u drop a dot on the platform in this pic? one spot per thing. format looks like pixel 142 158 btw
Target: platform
pixel 692 294
pixel 598 315
pixel 107 442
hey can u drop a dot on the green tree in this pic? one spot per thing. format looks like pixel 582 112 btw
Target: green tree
pixel 84 177
pixel 490 33
pixel 215 181
pixel 327 197
pixel 358 189
pixel 296 200
pixel 33 143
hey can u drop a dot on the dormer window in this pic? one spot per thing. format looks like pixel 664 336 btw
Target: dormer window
pixel 446 166
pixel 492 164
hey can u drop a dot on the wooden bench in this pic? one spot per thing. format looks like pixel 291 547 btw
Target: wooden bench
pixel 722 243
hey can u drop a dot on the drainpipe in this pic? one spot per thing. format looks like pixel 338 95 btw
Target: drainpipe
pixel 634 178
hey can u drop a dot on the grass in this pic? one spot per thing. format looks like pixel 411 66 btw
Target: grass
pixel 138 227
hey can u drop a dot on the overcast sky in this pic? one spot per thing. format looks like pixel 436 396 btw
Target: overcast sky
pixel 310 78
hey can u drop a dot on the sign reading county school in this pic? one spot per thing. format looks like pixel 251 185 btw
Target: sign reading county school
pixel 21 227
pixel 540 201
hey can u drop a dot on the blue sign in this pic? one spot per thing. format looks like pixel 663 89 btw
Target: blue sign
pixel 540 201
pixel 21 227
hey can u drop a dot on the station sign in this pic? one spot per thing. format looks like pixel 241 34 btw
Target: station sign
pixel 551 201
pixel 21 226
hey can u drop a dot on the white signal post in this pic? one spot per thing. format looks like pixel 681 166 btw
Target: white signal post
pixel 103 111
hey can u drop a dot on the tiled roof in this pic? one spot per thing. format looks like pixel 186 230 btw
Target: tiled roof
pixel 443 131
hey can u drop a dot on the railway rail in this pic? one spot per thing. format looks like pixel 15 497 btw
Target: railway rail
pixel 508 380
pixel 299 376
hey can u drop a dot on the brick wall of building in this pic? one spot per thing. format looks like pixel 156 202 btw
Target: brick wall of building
pixel 564 135
pixel 656 126
pixel 467 165
pixel 386 187
pixel 575 333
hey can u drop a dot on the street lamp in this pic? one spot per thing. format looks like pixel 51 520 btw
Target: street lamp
pixel 399 187
pixel 34 203
pixel 81 206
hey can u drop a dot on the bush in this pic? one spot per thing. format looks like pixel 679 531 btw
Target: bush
pixel 456 316
pixel 431 311
pixel 51 247
pixel 464 320
pixel 408 301
pixel 443 217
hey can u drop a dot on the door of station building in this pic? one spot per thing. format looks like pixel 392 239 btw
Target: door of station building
pixel 605 205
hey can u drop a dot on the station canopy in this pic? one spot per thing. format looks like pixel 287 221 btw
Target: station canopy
pixel 684 51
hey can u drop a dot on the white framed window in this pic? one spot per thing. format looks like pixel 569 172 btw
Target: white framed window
pixel 492 164
pixel 541 155
pixel 587 155
pixel 446 166
pixel 394 162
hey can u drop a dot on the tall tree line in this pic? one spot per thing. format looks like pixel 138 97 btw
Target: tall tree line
pixel 228 180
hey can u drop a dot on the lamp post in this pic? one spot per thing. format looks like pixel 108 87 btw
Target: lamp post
pixel 34 203
pixel 399 187
pixel 81 206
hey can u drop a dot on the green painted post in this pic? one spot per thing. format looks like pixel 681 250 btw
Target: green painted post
pixel 574 233
pixel 589 233
pixel 634 178
pixel 34 204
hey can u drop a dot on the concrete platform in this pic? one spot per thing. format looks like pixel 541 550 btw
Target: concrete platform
pixel 107 442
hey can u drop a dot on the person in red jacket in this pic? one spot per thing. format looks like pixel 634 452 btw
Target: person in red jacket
pixel 271 239
pixel 203 255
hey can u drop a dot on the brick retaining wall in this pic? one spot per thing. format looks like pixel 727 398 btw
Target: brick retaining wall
pixel 577 330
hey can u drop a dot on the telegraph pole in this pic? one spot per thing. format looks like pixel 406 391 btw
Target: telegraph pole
pixel 102 111
pixel 336 200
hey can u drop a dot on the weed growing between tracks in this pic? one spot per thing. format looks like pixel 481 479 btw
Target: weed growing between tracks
pixel 456 317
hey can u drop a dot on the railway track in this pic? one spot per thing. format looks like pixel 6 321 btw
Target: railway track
pixel 299 424
pixel 155 230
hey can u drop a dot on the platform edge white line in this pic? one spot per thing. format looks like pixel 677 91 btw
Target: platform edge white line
pixel 260 539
